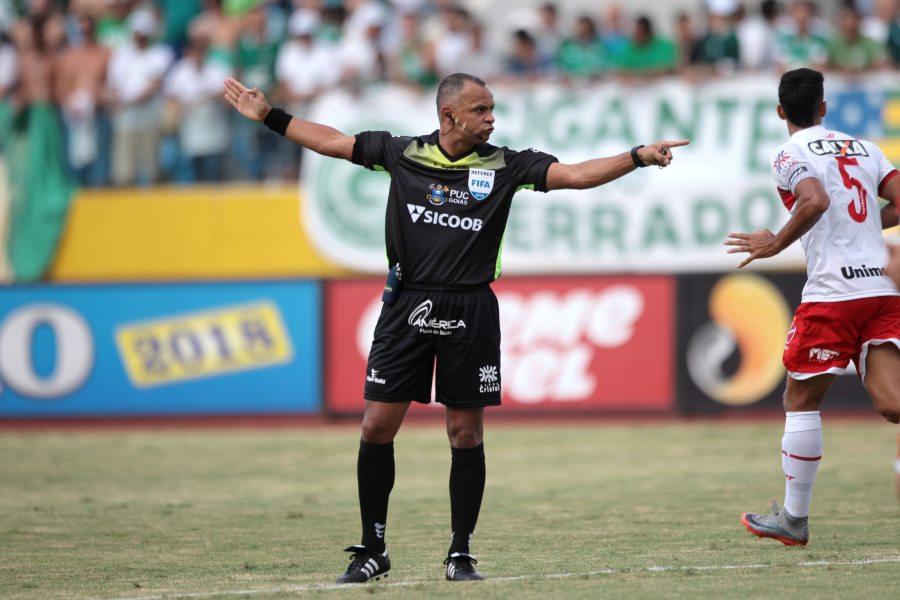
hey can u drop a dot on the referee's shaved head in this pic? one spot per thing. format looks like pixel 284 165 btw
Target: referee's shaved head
pixel 452 85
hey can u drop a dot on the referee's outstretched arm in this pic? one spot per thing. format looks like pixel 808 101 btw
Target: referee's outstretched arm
pixel 597 171
pixel 319 138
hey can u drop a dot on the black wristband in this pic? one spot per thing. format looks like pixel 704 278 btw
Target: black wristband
pixel 277 120
pixel 637 159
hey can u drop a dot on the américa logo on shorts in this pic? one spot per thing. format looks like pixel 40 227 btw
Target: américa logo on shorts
pixel 419 318
pixel 431 217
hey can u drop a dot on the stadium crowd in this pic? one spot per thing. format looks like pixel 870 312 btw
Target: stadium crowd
pixel 137 83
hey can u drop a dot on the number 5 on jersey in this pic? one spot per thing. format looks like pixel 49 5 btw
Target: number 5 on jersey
pixel 857 214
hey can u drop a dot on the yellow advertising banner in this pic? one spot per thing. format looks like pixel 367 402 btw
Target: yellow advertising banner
pixel 188 233
pixel 202 344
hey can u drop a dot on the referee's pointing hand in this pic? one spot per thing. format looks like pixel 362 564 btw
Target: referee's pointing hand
pixel 249 102
pixel 660 153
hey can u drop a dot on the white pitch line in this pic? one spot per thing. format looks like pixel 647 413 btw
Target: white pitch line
pixel 315 587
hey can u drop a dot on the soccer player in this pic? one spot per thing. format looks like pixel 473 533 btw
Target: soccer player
pixel 447 208
pixel 830 183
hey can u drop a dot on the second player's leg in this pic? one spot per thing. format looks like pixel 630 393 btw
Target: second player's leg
pixel 882 380
pixel 897 468
pixel 801 452
pixel 883 384
pixel 805 395
pixel 801 445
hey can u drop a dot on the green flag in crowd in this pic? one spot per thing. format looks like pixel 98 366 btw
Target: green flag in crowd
pixel 39 185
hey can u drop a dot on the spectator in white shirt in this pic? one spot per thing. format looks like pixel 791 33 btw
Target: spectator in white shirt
pixel 361 15
pixel 305 66
pixel 136 73
pixel 193 89
pixel 878 25
pixel 455 41
pixel 548 32
pixel 758 36
pixel 362 59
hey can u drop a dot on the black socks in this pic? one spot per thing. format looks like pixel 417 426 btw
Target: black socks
pixel 467 474
pixel 375 477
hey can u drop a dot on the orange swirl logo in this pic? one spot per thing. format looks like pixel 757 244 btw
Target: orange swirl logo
pixel 749 314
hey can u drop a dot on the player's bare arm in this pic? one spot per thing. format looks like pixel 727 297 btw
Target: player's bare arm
pixel 890 213
pixel 812 201
pixel 893 266
pixel 889 216
pixel 598 171
pixel 252 103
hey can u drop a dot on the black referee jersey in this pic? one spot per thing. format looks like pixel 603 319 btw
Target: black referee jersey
pixel 446 215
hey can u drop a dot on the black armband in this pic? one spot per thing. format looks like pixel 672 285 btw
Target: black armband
pixel 637 159
pixel 277 120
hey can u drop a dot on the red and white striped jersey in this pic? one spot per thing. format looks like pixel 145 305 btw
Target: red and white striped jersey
pixel 845 251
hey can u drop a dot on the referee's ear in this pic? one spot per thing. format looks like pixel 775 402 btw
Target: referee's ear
pixel 447 119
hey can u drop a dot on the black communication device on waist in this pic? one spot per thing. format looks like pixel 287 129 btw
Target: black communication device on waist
pixel 392 286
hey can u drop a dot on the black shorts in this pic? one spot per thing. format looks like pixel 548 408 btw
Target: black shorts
pixel 458 329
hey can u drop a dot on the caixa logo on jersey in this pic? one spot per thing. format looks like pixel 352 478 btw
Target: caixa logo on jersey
pixel 837 148
pixel 481 183
pixel 419 318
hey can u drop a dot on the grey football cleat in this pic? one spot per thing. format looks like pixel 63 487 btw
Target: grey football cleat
pixel 778 525
pixel 365 565
pixel 461 567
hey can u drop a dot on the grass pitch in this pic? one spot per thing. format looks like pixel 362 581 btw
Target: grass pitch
pixel 606 510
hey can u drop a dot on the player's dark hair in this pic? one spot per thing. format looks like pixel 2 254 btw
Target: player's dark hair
pixel 800 93
pixel 451 84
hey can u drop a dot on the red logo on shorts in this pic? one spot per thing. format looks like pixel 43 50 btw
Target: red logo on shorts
pixel 791 333
pixel 822 355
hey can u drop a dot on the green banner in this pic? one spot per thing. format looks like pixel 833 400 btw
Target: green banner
pixel 650 220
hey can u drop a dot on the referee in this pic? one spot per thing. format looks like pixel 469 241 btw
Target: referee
pixel 447 208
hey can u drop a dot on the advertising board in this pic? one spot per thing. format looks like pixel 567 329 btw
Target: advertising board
pixel 732 331
pixel 159 350
pixel 570 344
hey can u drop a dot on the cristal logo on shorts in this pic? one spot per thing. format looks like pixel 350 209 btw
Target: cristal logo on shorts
pixel 489 379
pixel 419 318
pixel 487 374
